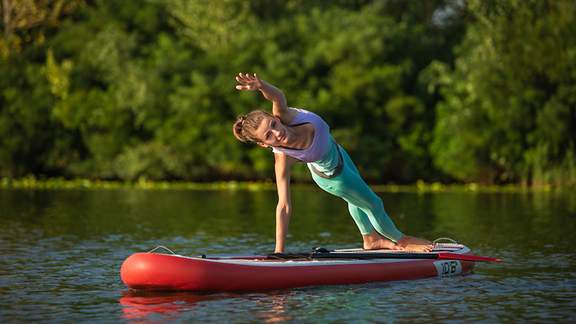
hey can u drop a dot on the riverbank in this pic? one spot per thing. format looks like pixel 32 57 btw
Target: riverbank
pixel 33 183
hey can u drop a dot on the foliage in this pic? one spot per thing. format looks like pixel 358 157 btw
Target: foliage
pixel 508 112
pixel 144 89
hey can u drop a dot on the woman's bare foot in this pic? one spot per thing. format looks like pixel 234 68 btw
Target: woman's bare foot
pixel 375 241
pixel 414 244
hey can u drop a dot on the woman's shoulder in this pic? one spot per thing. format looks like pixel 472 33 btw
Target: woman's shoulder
pixel 298 111
pixel 306 116
pixel 301 115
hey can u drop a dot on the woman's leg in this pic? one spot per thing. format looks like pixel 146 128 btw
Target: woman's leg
pixel 361 219
pixel 355 191
pixel 371 239
pixel 364 204
pixel 352 188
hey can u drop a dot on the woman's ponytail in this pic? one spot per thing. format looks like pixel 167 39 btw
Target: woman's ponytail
pixel 237 129
pixel 245 125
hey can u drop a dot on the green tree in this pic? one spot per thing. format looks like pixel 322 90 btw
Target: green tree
pixel 509 109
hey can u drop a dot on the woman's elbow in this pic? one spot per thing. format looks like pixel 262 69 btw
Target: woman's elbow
pixel 284 208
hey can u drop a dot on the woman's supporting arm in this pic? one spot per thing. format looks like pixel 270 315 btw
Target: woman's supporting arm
pixel 282 167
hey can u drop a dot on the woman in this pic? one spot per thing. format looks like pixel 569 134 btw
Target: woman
pixel 297 135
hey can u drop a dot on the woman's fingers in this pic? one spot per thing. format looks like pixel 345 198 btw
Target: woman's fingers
pixel 247 81
pixel 244 76
pixel 247 77
pixel 246 87
pixel 241 77
pixel 243 82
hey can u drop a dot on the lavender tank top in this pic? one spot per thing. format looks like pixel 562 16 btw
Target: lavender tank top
pixel 322 153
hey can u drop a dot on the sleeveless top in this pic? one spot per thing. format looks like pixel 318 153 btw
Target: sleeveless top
pixel 322 154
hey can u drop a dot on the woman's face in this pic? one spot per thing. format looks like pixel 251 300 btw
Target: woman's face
pixel 271 132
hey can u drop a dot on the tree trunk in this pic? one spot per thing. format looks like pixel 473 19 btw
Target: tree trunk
pixel 6 15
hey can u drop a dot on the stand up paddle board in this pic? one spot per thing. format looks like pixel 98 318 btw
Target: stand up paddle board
pixel 156 271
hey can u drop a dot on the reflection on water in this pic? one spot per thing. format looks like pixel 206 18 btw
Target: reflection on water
pixel 60 254
pixel 141 305
pixel 268 306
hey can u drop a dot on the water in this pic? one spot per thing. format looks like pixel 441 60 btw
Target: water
pixel 60 254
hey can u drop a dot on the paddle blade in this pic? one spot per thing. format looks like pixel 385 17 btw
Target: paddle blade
pixel 467 257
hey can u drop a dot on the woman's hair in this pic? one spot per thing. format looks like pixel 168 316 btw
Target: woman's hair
pixel 245 125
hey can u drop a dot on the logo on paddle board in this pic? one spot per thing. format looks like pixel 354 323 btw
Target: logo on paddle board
pixel 448 268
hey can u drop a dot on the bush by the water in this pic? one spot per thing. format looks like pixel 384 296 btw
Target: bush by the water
pixel 474 91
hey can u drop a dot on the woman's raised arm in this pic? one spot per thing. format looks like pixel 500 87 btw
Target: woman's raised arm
pixel 270 92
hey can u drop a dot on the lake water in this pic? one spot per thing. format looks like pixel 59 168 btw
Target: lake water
pixel 61 251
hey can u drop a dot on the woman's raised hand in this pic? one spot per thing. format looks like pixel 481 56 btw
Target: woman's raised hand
pixel 270 92
pixel 248 82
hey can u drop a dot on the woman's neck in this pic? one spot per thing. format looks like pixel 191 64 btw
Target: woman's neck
pixel 302 136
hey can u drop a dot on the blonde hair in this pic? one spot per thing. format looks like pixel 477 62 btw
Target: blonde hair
pixel 245 125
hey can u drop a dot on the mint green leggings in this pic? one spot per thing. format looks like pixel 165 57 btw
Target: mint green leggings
pixel 366 208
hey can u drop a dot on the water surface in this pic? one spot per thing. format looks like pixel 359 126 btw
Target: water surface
pixel 60 254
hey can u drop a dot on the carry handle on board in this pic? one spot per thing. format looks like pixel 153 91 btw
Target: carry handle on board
pixel 378 255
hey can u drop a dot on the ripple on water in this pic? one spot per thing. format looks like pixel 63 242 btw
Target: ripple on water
pixel 55 266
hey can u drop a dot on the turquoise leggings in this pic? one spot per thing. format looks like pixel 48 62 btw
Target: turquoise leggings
pixel 366 208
